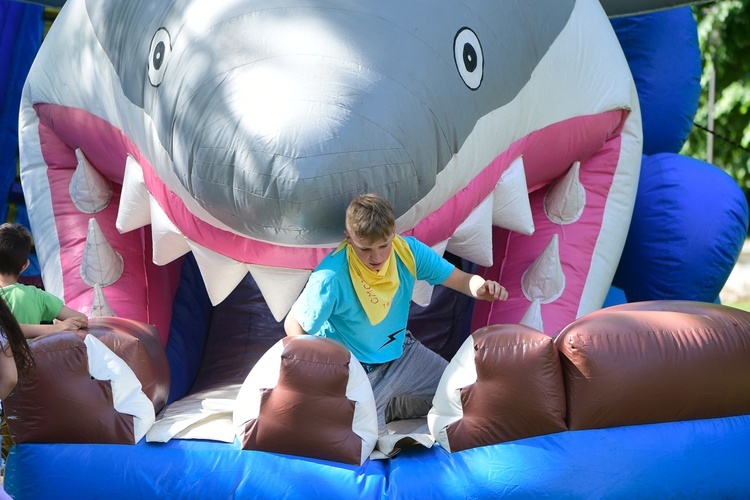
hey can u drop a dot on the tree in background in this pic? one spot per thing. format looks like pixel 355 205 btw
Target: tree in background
pixel 724 37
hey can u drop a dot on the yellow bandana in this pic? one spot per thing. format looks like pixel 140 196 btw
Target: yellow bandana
pixel 376 289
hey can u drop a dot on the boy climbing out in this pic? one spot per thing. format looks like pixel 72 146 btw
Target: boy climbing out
pixel 359 295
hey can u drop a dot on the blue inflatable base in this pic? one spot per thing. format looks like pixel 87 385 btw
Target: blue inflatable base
pixel 696 459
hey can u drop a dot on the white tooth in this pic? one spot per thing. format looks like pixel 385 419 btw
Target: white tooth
pixel 473 238
pixel 133 211
pixel 565 200
pixel 280 286
pixel 544 279
pixel 90 191
pixel 422 293
pixel 100 306
pixel 168 241
pixel 512 209
pixel 101 264
pixel 221 274
pixel 533 316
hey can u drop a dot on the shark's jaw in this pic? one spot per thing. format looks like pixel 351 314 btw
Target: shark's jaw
pixel 541 192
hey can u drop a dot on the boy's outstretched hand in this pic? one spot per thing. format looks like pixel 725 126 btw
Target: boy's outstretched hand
pixel 491 290
pixel 475 286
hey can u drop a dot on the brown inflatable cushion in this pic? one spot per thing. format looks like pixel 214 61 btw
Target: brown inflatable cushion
pixel 139 345
pixel 653 362
pixel 307 413
pixel 518 392
pixel 59 401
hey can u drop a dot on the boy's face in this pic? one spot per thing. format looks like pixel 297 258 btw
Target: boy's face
pixel 373 254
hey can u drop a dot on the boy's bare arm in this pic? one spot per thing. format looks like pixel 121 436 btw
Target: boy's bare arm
pixel 70 319
pixel 292 326
pixel 475 286
pixel 66 313
pixel 35 331
pixel 67 319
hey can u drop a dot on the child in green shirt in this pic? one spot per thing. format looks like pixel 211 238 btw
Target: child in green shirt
pixel 38 311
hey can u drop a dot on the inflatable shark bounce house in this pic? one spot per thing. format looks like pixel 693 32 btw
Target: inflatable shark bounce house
pixel 187 163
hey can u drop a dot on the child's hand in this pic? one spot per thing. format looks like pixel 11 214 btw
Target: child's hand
pixel 75 323
pixel 492 290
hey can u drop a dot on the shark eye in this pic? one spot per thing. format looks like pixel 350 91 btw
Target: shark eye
pixel 161 47
pixel 467 52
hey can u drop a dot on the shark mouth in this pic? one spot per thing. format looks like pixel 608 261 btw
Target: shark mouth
pixel 534 218
pixel 533 178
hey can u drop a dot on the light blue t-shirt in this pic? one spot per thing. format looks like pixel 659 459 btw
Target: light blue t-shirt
pixel 329 307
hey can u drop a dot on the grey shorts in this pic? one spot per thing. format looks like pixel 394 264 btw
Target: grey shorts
pixel 404 387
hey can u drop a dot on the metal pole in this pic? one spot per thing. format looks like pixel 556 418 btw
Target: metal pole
pixel 711 97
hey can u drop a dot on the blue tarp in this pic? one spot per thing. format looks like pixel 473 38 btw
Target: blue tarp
pixel 21 29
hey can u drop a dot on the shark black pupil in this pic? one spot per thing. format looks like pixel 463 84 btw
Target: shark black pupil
pixel 158 55
pixel 470 58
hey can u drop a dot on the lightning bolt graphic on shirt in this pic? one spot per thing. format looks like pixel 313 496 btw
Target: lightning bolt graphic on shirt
pixel 391 337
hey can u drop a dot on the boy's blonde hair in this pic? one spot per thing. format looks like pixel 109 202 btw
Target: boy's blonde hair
pixel 370 217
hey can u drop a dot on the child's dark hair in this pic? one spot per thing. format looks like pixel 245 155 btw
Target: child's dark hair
pixel 10 328
pixel 15 246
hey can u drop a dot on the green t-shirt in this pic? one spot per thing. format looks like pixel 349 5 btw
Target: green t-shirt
pixel 31 305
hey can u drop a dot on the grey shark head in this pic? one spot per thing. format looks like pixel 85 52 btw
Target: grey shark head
pixel 387 95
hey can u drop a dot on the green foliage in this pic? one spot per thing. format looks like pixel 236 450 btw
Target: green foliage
pixel 745 306
pixel 723 29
